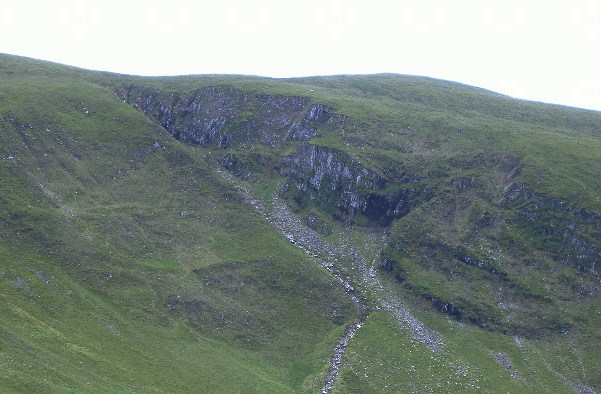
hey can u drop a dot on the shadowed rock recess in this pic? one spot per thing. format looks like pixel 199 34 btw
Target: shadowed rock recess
pixel 336 179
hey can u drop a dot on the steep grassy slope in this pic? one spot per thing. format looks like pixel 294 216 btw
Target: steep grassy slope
pixel 128 260
pixel 127 263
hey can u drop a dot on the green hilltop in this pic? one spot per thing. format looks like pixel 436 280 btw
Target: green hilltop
pixel 237 234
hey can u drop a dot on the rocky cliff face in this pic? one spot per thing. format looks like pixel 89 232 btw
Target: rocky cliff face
pixel 335 178
pixel 227 117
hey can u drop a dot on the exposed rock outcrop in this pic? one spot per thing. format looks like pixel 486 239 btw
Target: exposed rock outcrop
pixel 335 178
pixel 225 116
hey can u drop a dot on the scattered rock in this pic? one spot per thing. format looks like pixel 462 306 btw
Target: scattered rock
pixel 328 255
pixel 20 283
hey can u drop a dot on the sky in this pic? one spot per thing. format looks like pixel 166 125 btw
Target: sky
pixel 538 50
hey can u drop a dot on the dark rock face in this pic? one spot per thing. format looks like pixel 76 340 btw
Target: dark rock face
pixel 226 117
pixel 333 177
pixel 315 168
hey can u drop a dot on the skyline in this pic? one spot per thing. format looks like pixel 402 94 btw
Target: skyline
pixel 535 51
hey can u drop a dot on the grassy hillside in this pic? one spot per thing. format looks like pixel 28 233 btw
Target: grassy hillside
pixel 126 262
pixel 131 261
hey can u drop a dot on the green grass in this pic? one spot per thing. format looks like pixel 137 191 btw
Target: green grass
pixel 384 358
pixel 128 264
pixel 121 220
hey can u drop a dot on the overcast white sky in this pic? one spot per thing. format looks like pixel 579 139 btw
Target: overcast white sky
pixel 542 50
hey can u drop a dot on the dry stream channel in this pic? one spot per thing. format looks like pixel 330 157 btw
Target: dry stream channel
pixel 330 257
